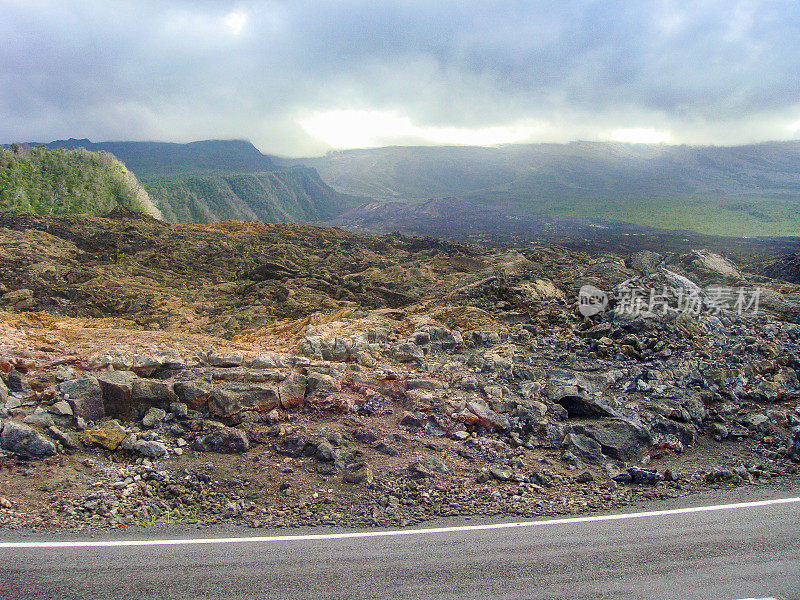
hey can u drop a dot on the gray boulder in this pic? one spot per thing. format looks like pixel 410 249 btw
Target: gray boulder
pixel 325 451
pixel 758 422
pixel 25 441
pixel 85 396
pixel 408 353
pixel 432 463
pixel 583 447
pixel 115 387
pixel 579 403
pixel 643 476
pixel 321 384
pixel 64 438
pixel 40 419
pixel 292 390
pixel 795 445
pixel 312 347
pixel 230 398
pixel 621 440
pixel 60 409
pixel 709 267
pixel 683 432
pixel 357 472
pixel 17 383
pixel 193 393
pixel 225 360
pixel 153 417
pixel 151 449
pixel 225 440
pixel 150 392
pixel 645 262
pixel 696 410
pixel 146 366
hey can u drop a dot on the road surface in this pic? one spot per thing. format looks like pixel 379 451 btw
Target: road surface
pixel 750 550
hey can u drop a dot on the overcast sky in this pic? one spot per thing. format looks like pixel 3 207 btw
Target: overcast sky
pixel 299 78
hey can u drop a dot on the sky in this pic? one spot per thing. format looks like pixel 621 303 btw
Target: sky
pixel 302 78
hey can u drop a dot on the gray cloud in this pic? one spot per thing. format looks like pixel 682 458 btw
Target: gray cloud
pixel 707 72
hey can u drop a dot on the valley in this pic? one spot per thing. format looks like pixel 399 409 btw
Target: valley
pixel 737 190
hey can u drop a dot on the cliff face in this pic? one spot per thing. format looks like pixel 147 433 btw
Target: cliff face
pixel 218 180
pixel 287 195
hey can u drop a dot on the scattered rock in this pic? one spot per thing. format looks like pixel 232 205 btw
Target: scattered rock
pixel 621 440
pixel 116 388
pixel 153 417
pixel 292 391
pixel 500 473
pixel 61 409
pixel 39 419
pixel 225 360
pixel 151 449
pixel 321 384
pixel 62 437
pixel 225 440
pixel 228 399
pixel 85 396
pixel 584 448
pixel 193 393
pixel 357 472
pixel 25 441
pixel 109 435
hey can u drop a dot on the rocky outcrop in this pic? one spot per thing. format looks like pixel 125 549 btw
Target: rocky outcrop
pixel 482 397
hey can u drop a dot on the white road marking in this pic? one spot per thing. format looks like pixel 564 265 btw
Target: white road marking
pixel 394 532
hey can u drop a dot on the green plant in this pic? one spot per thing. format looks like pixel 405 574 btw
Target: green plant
pixel 172 516
pixel 44 181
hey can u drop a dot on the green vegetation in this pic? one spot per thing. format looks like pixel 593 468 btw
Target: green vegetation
pixel 171 517
pixel 281 195
pixel 712 214
pixel 745 191
pixel 219 180
pixel 44 181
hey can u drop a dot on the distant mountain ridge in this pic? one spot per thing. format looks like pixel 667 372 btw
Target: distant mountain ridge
pixel 159 159
pixel 219 180
pixel 739 190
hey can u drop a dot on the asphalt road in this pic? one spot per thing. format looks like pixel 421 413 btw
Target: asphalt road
pixel 733 553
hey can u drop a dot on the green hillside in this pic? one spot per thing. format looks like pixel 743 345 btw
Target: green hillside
pixel 60 181
pixel 219 180
pixel 744 190
pixel 288 195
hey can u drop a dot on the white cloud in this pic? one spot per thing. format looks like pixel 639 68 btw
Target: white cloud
pixel 236 21
pixel 422 72
pixel 640 135
pixel 368 128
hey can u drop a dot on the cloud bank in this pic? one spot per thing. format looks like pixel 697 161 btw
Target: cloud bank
pixel 300 78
